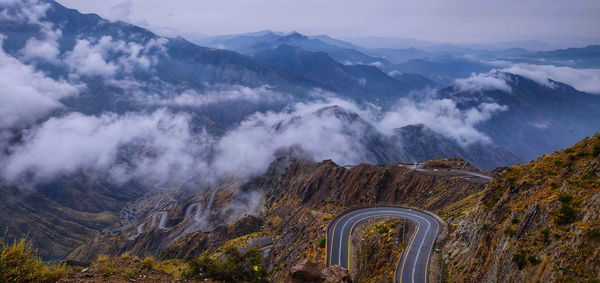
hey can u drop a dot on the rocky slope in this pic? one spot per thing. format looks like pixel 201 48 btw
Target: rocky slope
pixel 300 199
pixel 537 222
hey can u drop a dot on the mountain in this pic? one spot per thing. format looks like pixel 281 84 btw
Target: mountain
pixel 533 45
pixel 360 82
pixel 537 221
pixel 444 69
pixel 399 56
pixel 540 117
pixel 342 52
pixel 584 57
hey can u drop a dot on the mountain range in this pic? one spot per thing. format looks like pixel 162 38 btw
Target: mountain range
pixel 124 117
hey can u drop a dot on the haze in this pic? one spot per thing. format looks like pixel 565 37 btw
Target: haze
pixel 560 23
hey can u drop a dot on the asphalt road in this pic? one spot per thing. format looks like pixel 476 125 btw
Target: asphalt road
pixel 198 216
pixel 414 263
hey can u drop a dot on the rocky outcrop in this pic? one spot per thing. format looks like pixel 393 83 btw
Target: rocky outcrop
pixel 335 274
pixel 537 222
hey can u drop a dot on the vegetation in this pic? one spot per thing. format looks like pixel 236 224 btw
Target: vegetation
pixel 232 266
pixel 546 210
pixel 380 248
pixel 19 263
pixel 322 242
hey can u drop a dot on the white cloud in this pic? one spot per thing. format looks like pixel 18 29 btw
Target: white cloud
pixel 46 49
pixel 251 147
pixel 23 11
pixel 587 80
pixel 157 147
pixel 482 82
pixel 27 94
pixel 106 56
pixel 226 93
pixel 443 117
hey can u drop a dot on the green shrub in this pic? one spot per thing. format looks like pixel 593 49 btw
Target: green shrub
pixel 546 236
pixel 565 198
pixel 520 259
pixel 149 262
pixel 566 214
pixel 594 234
pixel 19 263
pixel 568 150
pixel 383 229
pixel 515 220
pixel 235 267
pixel 322 242
pixel 596 151
pixel 533 260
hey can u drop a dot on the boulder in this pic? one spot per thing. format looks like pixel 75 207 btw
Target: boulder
pixel 336 274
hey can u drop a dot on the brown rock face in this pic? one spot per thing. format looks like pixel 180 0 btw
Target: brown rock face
pixel 306 271
pixel 336 274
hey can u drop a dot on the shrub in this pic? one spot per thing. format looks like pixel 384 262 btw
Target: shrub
pixel 383 229
pixel 235 268
pixel 533 260
pixel 520 259
pixel 568 150
pixel 515 220
pixel 102 258
pixel 149 262
pixel 566 214
pixel 546 236
pixel 596 151
pixel 125 256
pixel 565 198
pixel 322 242
pixel 19 263
pixel 594 234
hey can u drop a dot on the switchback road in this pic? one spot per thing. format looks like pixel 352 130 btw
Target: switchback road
pixel 413 265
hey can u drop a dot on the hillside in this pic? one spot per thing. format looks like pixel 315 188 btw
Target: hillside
pixel 538 221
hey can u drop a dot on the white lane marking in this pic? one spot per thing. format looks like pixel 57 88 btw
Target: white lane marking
pixel 407 214
pixel 419 250
pixel 396 213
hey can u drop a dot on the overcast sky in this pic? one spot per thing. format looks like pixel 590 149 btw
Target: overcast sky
pixel 456 21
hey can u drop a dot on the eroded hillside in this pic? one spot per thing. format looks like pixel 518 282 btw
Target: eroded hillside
pixel 537 222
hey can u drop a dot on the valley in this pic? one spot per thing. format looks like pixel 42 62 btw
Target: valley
pixel 142 149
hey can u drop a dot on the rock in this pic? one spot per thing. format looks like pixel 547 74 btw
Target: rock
pixel 306 271
pixel 335 274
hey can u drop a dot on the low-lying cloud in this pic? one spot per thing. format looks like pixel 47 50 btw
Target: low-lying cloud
pixel 26 93
pixel 483 82
pixel 442 116
pixel 587 80
pixel 154 147
pixel 105 57
pixel 216 95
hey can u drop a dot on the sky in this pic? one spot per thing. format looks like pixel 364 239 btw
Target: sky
pixel 451 21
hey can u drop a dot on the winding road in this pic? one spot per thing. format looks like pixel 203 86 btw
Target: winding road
pixel 414 263
pixel 198 216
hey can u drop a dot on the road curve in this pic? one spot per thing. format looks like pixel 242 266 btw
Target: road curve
pixel 414 262
pixel 198 216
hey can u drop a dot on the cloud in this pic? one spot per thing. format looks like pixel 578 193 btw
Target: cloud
pixel 105 57
pixel 443 117
pixel 482 82
pixel 23 11
pixel 219 94
pixel 244 204
pixel 250 148
pixel 27 94
pixel 587 80
pixel 46 49
pixel 156 147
